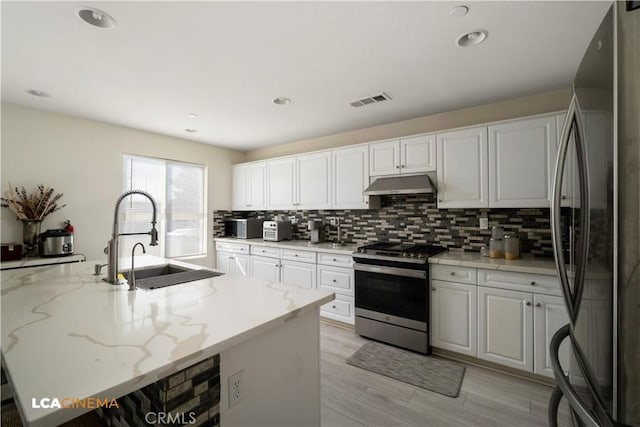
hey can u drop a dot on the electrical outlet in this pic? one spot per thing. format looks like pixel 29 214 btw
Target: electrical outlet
pixel 332 221
pixel 484 223
pixel 236 392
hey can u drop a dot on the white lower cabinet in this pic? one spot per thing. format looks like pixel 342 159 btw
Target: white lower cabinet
pixel 505 327
pixel 298 273
pixel 340 309
pixel 335 274
pixel 453 317
pixel 265 268
pixel 231 263
pixel 549 315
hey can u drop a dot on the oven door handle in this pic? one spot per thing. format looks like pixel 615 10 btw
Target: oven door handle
pixel 394 271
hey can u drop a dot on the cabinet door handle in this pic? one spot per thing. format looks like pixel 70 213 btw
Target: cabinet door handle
pixel 538 304
pixel 232 257
pixel 452 273
pixel 402 166
pixel 334 260
pixel 533 283
pixel 433 289
pixel 334 281
pixel 563 197
pixel 440 200
pixel 398 167
pixel 295 254
pixel 528 303
pixel 333 306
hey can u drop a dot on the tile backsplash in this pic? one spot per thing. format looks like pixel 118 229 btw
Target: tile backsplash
pixel 415 218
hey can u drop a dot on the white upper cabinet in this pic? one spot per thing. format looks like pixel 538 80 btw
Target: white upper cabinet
pixel 249 187
pixel 463 177
pixel 314 181
pixel 281 184
pixel 384 158
pixel 522 157
pixel 409 155
pixel 418 154
pixel 350 177
pixel 239 200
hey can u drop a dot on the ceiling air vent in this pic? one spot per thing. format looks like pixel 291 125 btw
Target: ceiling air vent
pixel 370 100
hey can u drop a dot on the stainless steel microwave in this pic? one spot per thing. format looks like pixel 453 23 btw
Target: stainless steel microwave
pixel 248 228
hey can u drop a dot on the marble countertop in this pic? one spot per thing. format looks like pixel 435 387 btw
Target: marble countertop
pixel 526 264
pixel 66 333
pixel 295 244
pixel 37 261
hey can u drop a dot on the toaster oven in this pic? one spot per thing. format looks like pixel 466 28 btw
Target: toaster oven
pixel 276 231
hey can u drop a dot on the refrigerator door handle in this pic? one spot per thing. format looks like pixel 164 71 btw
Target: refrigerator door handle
pixel 582 252
pixel 556 231
pixel 566 389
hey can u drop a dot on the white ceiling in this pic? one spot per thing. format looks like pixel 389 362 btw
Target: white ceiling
pixel 226 61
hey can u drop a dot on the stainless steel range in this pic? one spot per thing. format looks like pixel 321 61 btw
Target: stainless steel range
pixel 392 293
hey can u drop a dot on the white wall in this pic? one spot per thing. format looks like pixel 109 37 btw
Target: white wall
pixel 503 110
pixel 83 159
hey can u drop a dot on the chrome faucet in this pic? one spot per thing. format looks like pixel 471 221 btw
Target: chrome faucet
pixel 132 275
pixel 112 249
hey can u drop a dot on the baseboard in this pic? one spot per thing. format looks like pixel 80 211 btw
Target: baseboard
pixel 337 323
pixel 494 367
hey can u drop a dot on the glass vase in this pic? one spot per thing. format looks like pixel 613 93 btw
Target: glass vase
pixel 30 233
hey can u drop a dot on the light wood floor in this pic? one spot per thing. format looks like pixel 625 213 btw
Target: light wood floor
pixel 355 397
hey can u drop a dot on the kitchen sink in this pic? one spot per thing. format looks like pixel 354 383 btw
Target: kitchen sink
pixel 160 276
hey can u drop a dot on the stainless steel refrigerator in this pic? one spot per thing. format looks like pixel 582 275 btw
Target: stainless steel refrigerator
pixel 595 222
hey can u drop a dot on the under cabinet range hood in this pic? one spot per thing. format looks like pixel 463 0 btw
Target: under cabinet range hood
pixel 412 184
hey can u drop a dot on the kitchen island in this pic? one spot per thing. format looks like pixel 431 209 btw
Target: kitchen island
pixel 67 334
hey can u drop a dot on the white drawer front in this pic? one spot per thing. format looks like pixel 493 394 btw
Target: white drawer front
pixel 335 259
pixel 302 256
pixel 336 279
pixel 525 282
pixel 265 251
pixel 340 309
pixel 237 248
pixel 450 273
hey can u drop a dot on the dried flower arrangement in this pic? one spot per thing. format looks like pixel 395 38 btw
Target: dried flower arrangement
pixel 36 205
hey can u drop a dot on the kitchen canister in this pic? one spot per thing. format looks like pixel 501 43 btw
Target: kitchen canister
pixel 511 246
pixel 495 248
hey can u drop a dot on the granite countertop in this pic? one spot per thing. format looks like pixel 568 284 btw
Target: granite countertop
pixel 295 244
pixel 66 333
pixel 526 264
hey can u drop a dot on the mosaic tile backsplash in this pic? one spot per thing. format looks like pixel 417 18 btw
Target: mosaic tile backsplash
pixel 415 218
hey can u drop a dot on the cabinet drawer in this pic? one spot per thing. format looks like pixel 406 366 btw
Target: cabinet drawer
pixel 265 251
pixel 335 259
pixel 340 309
pixel 236 248
pixel 301 256
pixel 450 273
pixel 336 279
pixel 525 282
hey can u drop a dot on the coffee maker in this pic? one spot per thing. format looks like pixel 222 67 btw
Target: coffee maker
pixel 315 230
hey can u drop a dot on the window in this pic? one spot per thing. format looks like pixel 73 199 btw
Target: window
pixel 178 189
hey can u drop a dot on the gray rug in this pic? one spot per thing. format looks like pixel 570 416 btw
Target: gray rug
pixel 429 372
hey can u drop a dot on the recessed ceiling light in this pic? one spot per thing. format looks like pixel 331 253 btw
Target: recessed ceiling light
pixel 38 93
pixel 459 11
pixel 472 38
pixel 97 18
pixel 192 115
pixel 282 101
pixel 191 130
